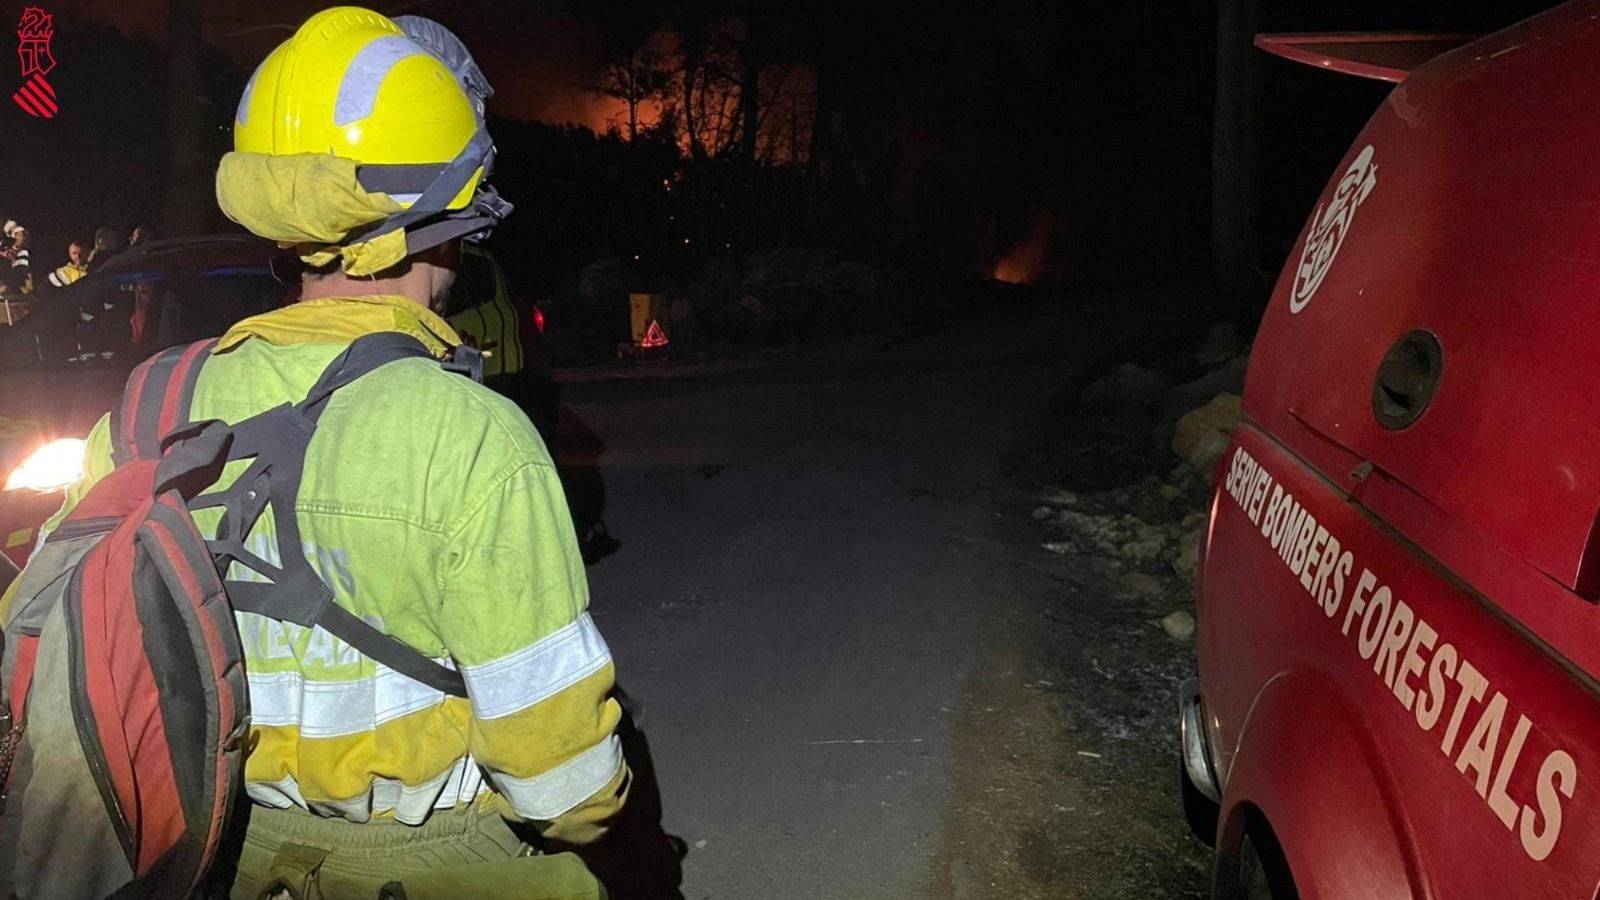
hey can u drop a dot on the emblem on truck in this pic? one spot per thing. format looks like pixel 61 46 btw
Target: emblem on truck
pixel 1329 227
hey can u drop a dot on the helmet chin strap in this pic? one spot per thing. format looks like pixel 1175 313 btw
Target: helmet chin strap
pixel 473 223
pixel 427 221
pixel 435 198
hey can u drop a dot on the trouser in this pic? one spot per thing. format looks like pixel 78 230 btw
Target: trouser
pixel 467 852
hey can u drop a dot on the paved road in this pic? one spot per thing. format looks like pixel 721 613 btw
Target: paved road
pixel 795 597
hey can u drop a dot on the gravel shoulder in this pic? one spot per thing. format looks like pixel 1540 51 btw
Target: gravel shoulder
pixel 1064 736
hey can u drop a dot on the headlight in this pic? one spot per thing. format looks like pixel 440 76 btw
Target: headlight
pixel 50 468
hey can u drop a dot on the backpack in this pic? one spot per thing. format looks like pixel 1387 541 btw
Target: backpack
pixel 123 700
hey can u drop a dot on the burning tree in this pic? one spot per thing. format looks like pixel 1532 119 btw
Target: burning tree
pixel 709 80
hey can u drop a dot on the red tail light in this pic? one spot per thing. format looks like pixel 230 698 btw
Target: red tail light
pixel 538 319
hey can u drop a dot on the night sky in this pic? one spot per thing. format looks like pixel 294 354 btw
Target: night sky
pixel 539 56
pixel 1062 143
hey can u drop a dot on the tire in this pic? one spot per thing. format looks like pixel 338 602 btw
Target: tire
pixel 1263 870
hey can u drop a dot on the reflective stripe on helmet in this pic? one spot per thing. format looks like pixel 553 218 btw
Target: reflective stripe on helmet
pixel 243 116
pixel 358 90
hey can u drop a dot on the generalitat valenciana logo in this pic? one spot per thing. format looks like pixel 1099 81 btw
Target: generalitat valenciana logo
pixel 36 97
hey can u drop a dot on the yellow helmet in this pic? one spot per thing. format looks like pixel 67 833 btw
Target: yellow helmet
pixel 400 98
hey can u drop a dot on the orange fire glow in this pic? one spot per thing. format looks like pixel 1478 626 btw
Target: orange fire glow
pixel 1030 260
pixel 1022 264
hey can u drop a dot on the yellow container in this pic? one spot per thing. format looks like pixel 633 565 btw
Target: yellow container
pixel 649 319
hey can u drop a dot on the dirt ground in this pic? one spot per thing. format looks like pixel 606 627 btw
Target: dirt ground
pixel 1066 751
pixel 866 678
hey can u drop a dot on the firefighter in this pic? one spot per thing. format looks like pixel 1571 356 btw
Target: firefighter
pixel 18 274
pixel 74 268
pixel 428 504
pixel 491 317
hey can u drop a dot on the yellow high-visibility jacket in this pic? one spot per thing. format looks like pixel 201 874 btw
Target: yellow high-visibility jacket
pixel 488 319
pixel 67 275
pixel 430 506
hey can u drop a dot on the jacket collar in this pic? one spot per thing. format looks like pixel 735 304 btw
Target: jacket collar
pixel 341 320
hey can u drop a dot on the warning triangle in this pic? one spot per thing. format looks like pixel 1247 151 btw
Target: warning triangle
pixel 654 336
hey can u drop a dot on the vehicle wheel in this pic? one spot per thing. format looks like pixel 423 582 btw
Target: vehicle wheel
pixel 1198 809
pixel 1263 871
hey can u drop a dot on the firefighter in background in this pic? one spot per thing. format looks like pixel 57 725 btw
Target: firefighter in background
pixel 75 268
pixel 495 319
pixel 18 273
pixel 107 243
pixel 490 316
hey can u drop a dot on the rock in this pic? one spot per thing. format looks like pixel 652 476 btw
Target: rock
pixel 1128 383
pixel 1141 585
pixel 1222 343
pixel 1210 449
pixel 1058 497
pixel 1148 546
pixel 1202 435
pixel 1178 625
pixel 1124 536
pixel 1042 512
pixel 1189 553
pixel 1226 379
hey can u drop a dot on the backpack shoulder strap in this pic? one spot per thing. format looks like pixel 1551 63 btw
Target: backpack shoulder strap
pixel 302 597
pixel 293 591
pixel 156 401
pixel 364 354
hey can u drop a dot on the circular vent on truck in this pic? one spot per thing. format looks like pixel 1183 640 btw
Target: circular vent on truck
pixel 1407 379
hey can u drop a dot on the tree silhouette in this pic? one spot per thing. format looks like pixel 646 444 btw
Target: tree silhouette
pixel 637 72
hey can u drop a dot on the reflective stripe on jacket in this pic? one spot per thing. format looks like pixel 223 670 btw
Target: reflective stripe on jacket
pixel 66 275
pixel 431 507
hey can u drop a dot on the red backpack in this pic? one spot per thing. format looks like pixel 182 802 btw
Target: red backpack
pixel 125 704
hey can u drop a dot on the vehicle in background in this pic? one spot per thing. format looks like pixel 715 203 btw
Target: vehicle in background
pixel 65 364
